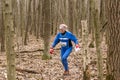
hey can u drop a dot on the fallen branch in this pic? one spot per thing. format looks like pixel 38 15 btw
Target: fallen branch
pixel 30 51
pixel 27 70
pixel 35 51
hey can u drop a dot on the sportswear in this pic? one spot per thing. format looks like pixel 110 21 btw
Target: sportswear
pixel 66 46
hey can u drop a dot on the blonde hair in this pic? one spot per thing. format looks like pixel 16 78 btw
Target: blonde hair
pixel 63 26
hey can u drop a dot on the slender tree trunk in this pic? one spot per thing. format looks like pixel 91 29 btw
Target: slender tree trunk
pixel 86 75
pixel 9 36
pixel 22 19
pixel 46 37
pixel 16 17
pixel 28 22
pixel 97 39
pixel 2 34
pixel 42 20
pixel 53 15
pixel 70 14
pixel 91 22
pixel 34 17
pixel 113 39
pixel 56 16
pixel 38 19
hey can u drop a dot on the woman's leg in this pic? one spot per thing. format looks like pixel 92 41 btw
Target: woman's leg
pixel 64 58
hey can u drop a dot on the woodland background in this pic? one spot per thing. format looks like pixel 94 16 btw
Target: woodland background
pixel 28 27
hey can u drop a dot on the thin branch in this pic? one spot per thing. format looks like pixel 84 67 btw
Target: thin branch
pixel 104 26
pixel 27 70
pixel 35 50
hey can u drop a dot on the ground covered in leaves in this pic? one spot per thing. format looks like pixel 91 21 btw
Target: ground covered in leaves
pixel 30 66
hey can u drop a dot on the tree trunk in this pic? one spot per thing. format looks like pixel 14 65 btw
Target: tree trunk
pixel 97 38
pixel 86 75
pixel 113 40
pixel 28 22
pixel 37 19
pixel 91 23
pixel 46 37
pixel 22 19
pixel 34 17
pixel 16 16
pixel 2 33
pixel 42 20
pixel 70 14
pixel 9 36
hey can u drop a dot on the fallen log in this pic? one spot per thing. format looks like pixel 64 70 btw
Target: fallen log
pixel 34 51
pixel 27 70
pixel 30 51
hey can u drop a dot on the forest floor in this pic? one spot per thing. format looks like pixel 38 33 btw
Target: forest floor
pixel 30 66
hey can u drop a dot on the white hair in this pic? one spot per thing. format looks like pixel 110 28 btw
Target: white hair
pixel 63 26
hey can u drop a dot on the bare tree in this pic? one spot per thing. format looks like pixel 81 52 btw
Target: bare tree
pixel 70 13
pixel 91 22
pixel 46 24
pixel 97 37
pixel 28 22
pixel 22 9
pixel 113 39
pixel 9 39
pixel 2 32
pixel 86 75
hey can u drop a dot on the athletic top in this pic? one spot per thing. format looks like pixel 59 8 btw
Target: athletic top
pixel 65 39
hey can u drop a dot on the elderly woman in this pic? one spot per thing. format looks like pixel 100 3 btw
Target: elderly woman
pixel 64 37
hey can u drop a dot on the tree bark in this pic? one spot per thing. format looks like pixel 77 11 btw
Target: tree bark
pixel 28 22
pixel 9 36
pixel 85 49
pixel 97 38
pixel 46 22
pixel 2 33
pixel 113 39
pixel 91 22
pixel 70 14
pixel 22 19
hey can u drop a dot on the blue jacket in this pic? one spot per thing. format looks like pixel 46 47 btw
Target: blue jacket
pixel 65 39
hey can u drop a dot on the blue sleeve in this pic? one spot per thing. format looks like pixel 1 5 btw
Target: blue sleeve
pixel 56 41
pixel 73 38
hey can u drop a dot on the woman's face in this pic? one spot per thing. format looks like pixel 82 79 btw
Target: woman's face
pixel 61 30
